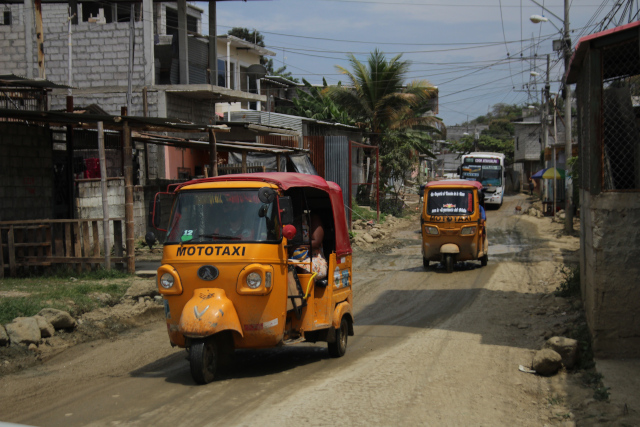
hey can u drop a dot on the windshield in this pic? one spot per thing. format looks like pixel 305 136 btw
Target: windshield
pixel 487 175
pixel 222 215
pixel 450 202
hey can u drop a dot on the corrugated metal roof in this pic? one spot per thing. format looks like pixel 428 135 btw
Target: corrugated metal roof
pixel 110 122
pixel 14 80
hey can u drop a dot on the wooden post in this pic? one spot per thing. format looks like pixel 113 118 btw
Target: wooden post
pixel 213 153
pixel 1 257
pixel 105 200
pixel 40 39
pixel 378 184
pixel 128 199
pixel 244 162
pixel 12 252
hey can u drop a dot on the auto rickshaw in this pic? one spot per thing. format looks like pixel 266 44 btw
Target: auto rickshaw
pixel 452 225
pixel 234 274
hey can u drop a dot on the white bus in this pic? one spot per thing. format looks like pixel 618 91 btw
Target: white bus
pixel 488 169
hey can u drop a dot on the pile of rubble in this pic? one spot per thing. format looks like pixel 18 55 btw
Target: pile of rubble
pixel 368 233
pixel 29 331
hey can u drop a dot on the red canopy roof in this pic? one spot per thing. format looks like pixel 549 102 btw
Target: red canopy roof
pixel 287 180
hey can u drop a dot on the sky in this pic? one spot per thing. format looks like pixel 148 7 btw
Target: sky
pixel 477 52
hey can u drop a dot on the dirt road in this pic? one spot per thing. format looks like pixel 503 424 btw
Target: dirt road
pixel 430 348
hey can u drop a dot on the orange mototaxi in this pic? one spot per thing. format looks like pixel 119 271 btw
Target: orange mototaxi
pixel 452 225
pixel 234 274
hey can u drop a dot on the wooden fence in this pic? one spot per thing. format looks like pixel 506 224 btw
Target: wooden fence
pixel 47 242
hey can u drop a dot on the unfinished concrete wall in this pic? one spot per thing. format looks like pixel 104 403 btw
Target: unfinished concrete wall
pixel 13 44
pixel 26 172
pixel 89 203
pixel 609 269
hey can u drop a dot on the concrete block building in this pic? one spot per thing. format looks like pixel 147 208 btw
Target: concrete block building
pixel 172 72
pixel 605 67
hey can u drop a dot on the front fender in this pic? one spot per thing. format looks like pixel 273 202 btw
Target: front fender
pixel 209 311
pixel 449 248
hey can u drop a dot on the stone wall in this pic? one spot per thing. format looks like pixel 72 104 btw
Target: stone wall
pixel 26 172
pixel 89 203
pixel 609 269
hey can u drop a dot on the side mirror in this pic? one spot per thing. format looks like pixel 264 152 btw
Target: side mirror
pixel 286 210
pixel 267 195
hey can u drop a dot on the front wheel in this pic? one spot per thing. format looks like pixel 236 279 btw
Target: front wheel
pixel 448 263
pixel 203 360
pixel 339 347
pixel 425 263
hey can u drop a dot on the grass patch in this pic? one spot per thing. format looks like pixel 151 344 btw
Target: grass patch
pixel 593 379
pixel 81 294
pixel 366 214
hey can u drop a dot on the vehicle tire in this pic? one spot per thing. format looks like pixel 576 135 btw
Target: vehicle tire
pixel 425 263
pixel 339 347
pixel 484 260
pixel 448 263
pixel 203 360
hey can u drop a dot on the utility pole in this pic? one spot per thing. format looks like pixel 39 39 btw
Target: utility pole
pixel 545 114
pixel 568 205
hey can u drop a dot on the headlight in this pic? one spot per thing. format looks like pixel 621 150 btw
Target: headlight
pixel 431 230
pixel 468 230
pixel 254 280
pixel 166 281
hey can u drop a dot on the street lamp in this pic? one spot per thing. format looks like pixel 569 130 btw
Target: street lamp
pixel 568 211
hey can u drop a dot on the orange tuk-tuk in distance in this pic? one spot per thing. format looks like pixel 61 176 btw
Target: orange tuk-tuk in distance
pixel 453 224
pixel 242 266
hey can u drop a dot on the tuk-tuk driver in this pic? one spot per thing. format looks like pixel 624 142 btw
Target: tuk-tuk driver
pixel 318 261
pixel 233 222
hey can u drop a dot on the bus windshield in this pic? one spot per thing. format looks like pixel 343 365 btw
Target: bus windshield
pixel 222 215
pixel 487 175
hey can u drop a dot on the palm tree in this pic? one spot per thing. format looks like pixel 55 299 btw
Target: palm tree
pixel 377 98
pixel 312 102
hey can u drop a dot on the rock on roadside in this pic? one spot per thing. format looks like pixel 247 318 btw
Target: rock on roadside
pixel 4 338
pixel 23 330
pixel 546 362
pixel 142 288
pixel 567 348
pixel 46 328
pixel 58 318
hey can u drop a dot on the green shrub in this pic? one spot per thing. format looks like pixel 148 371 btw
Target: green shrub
pixel 570 286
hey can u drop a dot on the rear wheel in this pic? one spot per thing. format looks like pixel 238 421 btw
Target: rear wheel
pixel 425 263
pixel 484 260
pixel 448 263
pixel 203 360
pixel 339 347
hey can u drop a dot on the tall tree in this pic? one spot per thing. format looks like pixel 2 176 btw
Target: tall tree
pixel 378 99
pixel 313 102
